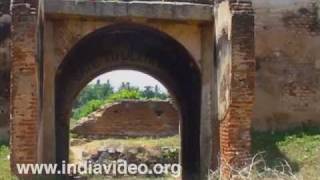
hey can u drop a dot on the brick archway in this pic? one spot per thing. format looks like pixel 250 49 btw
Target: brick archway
pixel 219 36
pixel 140 48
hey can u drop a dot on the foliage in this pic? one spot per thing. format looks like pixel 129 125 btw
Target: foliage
pixel 125 94
pixel 299 147
pixel 94 96
pixel 153 93
pixel 87 108
pixel 5 172
pixel 96 91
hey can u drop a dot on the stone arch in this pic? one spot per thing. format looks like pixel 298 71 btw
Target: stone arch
pixel 141 48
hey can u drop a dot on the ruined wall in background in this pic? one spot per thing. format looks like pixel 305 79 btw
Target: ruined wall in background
pixel 288 63
pixel 5 22
pixel 131 118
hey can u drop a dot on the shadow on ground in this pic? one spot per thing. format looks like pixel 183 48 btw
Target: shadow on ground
pixel 269 142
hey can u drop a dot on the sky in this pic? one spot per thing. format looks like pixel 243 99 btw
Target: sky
pixel 135 78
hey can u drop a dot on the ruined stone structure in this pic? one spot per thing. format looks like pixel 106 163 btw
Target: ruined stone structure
pixel 130 118
pixel 287 37
pixel 202 51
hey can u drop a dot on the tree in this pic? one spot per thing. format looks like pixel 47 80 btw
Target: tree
pixel 95 95
pixel 97 91
pixel 148 92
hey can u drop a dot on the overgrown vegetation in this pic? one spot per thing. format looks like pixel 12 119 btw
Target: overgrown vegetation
pixel 288 155
pixel 5 172
pixel 95 95
pixel 258 170
pixel 299 147
pixel 148 142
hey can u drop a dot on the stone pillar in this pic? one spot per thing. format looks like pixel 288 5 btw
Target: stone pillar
pixel 234 23
pixel 208 136
pixel 47 141
pixel 24 87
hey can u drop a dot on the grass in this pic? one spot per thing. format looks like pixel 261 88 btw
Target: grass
pixel 126 143
pixel 173 141
pixel 299 147
pixel 5 172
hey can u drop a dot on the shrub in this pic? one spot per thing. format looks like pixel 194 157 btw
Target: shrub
pixel 88 108
pixel 124 94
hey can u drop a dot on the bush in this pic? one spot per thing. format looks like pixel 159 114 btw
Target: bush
pixel 94 96
pixel 88 108
pixel 125 94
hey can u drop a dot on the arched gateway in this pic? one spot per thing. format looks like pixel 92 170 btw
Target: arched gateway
pixel 140 48
pixel 203 54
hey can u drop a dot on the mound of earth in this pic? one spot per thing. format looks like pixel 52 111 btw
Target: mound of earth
pixel 130 118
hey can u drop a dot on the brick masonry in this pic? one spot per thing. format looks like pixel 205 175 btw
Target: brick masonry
pixel 286 49
pixel 236 81
pixel 288 64
pixel 234 31
pixel 131 118
pixel 24 104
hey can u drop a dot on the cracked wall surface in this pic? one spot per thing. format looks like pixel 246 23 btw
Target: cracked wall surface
pixel 288 64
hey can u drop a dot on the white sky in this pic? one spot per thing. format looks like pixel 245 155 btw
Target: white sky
pixel 135 78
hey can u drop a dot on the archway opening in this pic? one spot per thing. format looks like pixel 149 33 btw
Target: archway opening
pixel 135 47
pixel 128 116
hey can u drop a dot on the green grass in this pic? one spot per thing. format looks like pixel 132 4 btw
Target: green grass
pixel 95 104
pixel 123 94
pixel 299 147
pixel 5 172
pixel 86 109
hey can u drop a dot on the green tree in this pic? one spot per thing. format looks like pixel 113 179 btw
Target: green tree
pixel 95 95
pixel 96 91
pixel 148 92
pixel 125 94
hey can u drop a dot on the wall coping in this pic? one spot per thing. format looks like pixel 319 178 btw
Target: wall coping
pixel 181 11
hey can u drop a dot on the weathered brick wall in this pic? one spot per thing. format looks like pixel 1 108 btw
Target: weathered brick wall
pixel 5 24
pixel 236 79
pixel 131 118
pixel 288 64
pixel 24 104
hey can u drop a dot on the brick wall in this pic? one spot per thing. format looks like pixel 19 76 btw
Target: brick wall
pixel 24 115
pixel 131 118
pixel 288 64
pixel 236 81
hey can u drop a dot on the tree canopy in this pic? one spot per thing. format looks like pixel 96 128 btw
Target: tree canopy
pixel 93 96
